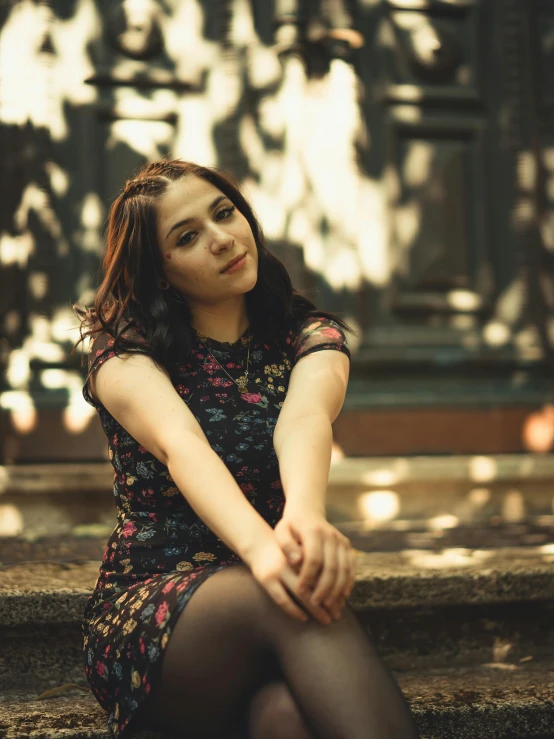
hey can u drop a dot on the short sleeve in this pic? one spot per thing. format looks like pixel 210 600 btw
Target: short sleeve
pixel 100 350
pixel 317 333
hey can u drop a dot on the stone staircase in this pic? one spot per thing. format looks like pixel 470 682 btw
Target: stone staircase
pixel 467 630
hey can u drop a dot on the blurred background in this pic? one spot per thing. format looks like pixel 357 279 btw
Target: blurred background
pixel 400 157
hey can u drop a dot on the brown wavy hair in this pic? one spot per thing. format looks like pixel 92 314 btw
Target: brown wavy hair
pixel 129 299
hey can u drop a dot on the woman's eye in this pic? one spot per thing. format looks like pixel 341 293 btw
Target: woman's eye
pixel 227 210
pixel 182 240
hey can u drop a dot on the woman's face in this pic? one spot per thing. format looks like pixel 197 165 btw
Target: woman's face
pixel 195 252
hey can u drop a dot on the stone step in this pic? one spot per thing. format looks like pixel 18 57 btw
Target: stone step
pixel 443 491
pixel 477 702
pixel 422 609
pixel 87 541
pixel 393 494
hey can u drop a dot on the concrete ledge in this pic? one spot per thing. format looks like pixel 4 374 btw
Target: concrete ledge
pixel 50 592
pixel 453 576
pixel 478 469
pixel 368 471
pixel 460 703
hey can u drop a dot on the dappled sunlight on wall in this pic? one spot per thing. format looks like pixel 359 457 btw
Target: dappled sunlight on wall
pixel 366 175
pixel 49 80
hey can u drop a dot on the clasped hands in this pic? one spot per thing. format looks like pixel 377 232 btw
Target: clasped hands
pixel 322 556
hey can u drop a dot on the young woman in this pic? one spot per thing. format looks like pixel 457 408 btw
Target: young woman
pixel 201 622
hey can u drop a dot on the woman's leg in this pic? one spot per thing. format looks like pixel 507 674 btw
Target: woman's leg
pixel 217 676
pixel 216 664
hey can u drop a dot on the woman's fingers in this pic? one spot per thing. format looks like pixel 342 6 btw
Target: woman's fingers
pixel 328 574
pixel 352 575
pixel 335 599
pixel 284 600
pixel 313 560
pixel 319 612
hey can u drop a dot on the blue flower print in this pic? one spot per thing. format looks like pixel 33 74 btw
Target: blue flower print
pixel 143 470
pixel 242 447
pixel 118 670
pixel 171 551
pixel 147 612
pixel 233 458
pixel 216 413
pixel 153 651
pixel 145 534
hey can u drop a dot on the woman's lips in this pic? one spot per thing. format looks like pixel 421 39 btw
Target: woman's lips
pixel 235 266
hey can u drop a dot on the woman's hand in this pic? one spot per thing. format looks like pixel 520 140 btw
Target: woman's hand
pixel 269 566
pixel 325 557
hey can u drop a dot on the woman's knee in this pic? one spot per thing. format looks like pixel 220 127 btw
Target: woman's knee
pixel 274 714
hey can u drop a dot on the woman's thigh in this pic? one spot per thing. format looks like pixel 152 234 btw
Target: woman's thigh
pixel 214 660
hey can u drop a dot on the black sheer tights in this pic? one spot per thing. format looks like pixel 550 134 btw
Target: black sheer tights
pixel 236 662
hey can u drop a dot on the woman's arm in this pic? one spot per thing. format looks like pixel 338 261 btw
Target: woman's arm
pixel 303 436
pixel 141 397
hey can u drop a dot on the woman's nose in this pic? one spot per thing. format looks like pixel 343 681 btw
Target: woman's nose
pixel 221 237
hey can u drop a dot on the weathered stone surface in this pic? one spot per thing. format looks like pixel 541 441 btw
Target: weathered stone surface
pixel 50 592
pixel 40 657
pixel 457 703
pixel 75 715
pixel 423 578
pixel 45 592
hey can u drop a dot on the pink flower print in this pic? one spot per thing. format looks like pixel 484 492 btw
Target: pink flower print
pixel 167 588
pixel 142 646
pixel 147 688
pixel 252 397
pixel 331 333
pixel 107 650
pixel 276 485
pixel 247 487
pixel 129 529
pixel 161 613
pixel 100 668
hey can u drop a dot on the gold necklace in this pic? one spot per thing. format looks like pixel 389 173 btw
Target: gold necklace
pixel 241 382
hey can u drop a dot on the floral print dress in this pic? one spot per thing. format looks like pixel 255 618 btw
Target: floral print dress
pixel 160 551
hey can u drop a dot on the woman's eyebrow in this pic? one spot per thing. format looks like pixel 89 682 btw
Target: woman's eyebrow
pixel 188 220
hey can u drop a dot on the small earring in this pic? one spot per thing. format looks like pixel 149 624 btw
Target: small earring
pixel 164 286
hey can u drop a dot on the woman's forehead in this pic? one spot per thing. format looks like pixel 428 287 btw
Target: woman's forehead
pixel 189 195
